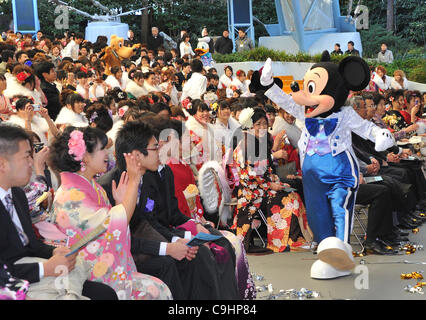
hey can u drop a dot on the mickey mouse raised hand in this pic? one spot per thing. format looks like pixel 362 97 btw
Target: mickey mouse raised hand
pixel 329 167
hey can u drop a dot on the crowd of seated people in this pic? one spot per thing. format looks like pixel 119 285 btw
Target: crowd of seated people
pixel 115 161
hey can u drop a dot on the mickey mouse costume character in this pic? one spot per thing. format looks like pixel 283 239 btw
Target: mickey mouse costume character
pixel 329 166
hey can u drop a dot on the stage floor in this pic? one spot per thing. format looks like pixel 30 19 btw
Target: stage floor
pixel 291 270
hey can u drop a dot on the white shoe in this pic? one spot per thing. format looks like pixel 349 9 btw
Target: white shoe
pixel 266 79
pixel 322 270
pixel 337 253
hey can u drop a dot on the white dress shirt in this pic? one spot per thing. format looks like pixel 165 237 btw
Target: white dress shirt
pixel 17 222
pixel 195 87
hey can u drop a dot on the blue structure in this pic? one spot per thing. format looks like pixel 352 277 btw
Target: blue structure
pixel 240 16
pixel 310 26
pixel 25 16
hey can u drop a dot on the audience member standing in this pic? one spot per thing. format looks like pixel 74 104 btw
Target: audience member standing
pixel 351 49
pixel 155 40
pixel 224 45
pixel 385 55
pixel 337 50
pixel 243 43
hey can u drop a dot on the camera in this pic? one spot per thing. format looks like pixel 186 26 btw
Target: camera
pixel 38 147
pixel 91 83
pixel 36 107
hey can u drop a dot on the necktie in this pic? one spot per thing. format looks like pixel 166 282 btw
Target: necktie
pixel 313 124
pixel 162 174
pixel 9 208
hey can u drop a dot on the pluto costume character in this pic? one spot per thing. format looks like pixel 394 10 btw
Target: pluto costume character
pixel 116 52
pixel 329 167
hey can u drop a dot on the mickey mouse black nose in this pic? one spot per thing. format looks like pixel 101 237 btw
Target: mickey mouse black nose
pixel 294 86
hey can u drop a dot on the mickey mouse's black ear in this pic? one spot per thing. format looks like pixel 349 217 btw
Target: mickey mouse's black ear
pixel 355 73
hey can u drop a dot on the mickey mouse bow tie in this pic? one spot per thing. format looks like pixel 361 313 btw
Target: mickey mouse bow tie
pixel 313 125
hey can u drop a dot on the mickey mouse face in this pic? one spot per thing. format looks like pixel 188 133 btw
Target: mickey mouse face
pixel 327 85
pixel 315 81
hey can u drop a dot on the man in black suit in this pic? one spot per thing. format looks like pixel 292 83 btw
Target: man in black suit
pixel 17 238
pixel 46 72
pixel 183 76
pixel 158 247
pixel 351 49
pixel 155 40
pixel 224 45
pixel 396 178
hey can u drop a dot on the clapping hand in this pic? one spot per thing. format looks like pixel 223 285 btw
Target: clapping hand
pixel 119 192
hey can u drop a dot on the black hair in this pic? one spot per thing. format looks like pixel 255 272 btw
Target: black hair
pixel 134 135
pixel 61 74
pixel 223 104
pixel 115 69
pixel 211 76
pixel 395 94
pixel 20 53
pixel 106 100
pixel 73 99
pixel 351 42
pixel 377 97
pixel 158 107
pixel 60 158
pixel 78 35
pixel 81 75
pixel 259 113
pixel 196 105
pixel 21 103
pixel 235 107
pixel 179 61
pixel 43 67
pixel 147 74
pixel 99 114
pixel 337 44
pixel 117 94
pixel 196 66
pixel 10 136
pixel 6 54
pixel 67 59
pixel 270 109
pixel 136 75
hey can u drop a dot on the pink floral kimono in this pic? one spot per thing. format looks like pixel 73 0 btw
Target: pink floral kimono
pixel 79 207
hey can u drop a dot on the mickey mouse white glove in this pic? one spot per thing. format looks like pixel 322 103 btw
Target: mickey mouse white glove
pixel 266 78
pixel 384 140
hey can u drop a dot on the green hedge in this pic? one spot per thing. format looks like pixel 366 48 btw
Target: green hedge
pixel 413 63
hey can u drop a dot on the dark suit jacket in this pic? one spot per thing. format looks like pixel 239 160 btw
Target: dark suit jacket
pixel 224 45
pixel 160 222
pixel 52 96
pixel 11 247
pixel 364 149
pixel 155 43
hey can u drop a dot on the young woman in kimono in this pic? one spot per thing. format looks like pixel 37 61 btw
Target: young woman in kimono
pixel 81 206
pixel 260 188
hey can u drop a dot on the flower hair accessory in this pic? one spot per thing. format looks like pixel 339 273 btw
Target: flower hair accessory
pixel 122 111
pixel 186 104
pixel 76 145
pixel 22 76
pixel 245 118
pixel 93 117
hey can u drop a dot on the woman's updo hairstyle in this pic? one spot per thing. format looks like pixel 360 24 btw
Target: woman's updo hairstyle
pixel 99 114
pixel 61 160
